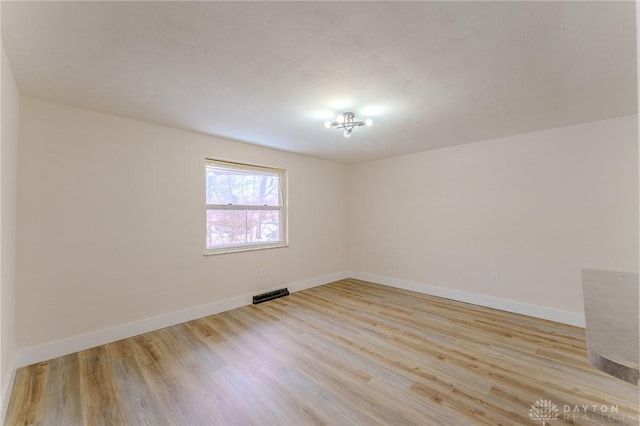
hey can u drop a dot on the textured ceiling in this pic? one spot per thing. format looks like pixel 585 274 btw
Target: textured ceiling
pixel 430 74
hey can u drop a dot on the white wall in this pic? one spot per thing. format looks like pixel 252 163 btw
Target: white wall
pixel 112 220
pixel 10 109
pixel 535 208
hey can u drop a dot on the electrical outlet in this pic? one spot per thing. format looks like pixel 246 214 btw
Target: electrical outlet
pixel 494 278
pixel 263 272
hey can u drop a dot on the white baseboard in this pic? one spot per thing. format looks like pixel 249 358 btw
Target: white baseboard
pixel 536 311
pixel 7 387
pixel 73 344
pixel 69 345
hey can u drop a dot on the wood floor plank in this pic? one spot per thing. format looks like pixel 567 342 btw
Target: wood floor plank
pixel 97 388
pixel 139 404
pixel 346 353
pixel 64 405
pixel 28 399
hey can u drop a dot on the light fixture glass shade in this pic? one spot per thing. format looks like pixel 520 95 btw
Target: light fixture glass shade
pixel 347 133
pixel 340 118
pixel 327 124
pixel 368 122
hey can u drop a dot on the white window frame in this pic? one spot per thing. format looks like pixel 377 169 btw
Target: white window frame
pixel 282 208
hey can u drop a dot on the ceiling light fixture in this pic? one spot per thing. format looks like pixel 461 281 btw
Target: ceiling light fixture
pixel 348 122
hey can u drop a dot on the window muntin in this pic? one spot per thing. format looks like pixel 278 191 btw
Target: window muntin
pixel 245 207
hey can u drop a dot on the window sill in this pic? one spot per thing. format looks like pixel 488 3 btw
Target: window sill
pixel 244 248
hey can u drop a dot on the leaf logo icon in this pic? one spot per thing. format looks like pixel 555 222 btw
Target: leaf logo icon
pixel 543 410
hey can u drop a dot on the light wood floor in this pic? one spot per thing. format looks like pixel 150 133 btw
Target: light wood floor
pixel 345 353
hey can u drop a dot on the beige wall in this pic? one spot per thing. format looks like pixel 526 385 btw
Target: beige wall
pixel 111 218
pixel 535 208
pixel 8 171
pixel 111 222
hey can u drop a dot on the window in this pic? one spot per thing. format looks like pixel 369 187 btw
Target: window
pixel 245 207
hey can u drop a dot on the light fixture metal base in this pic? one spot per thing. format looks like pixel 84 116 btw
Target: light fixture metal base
pixel 348 122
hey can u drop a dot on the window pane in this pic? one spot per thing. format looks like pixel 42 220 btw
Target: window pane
pixel 238 227
pixel 263 226
pixel 225 186
pixel 226 227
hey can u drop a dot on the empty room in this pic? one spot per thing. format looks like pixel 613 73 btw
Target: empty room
pixel 319 213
